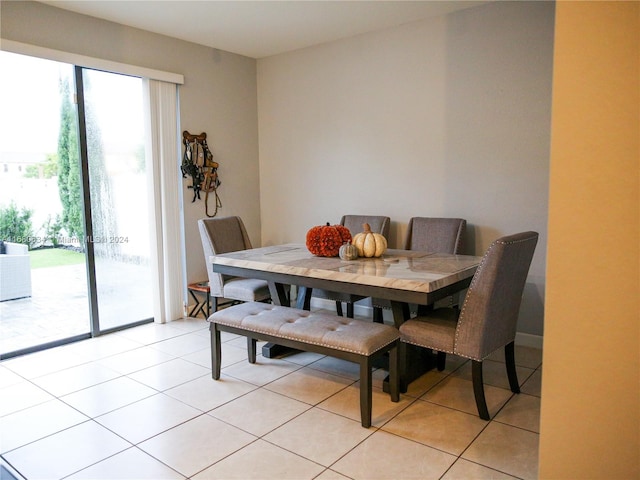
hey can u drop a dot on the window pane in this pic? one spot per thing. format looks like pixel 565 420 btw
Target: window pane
pixel 40 175
pixel 119 197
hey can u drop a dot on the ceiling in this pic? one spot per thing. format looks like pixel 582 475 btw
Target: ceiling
pixel 260 29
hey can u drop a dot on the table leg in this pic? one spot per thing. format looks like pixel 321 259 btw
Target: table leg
pixel 278 294
pixel 278 297
pixel 304 298
pixel 414 361
pixel 401 313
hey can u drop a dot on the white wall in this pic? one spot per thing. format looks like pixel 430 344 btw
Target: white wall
pixel 444 117
pixel 218 97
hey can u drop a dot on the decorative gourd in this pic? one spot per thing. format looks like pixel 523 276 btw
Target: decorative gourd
pixel 369 244
pixel 348 251
pixel 326 240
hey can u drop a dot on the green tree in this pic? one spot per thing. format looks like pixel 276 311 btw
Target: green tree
pixel 32 171
pixel 69 165
pixel 52 228
pixel 102 216
pixel 66 117
pixel 16 226
pixel 49 168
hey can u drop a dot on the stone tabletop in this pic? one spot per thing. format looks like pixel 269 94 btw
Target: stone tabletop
pixel 396 269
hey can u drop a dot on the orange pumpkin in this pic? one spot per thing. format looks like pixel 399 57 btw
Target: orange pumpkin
pixel 326 240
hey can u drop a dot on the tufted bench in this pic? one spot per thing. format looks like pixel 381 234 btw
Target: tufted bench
pixel 345 338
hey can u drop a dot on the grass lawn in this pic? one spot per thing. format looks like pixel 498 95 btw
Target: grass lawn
pixel 54 257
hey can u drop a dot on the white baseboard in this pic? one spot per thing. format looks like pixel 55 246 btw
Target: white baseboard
pixel 523 339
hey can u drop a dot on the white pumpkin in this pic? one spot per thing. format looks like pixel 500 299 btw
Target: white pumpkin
pixel 368 243
pixel 348 251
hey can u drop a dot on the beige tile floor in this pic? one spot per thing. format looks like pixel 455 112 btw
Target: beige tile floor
pixel 141 404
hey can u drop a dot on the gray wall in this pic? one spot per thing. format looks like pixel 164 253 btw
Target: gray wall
pixel 443 117
pixel 446 117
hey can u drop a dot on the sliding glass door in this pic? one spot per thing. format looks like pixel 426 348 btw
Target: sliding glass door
pixel 74 194
pixel 117 191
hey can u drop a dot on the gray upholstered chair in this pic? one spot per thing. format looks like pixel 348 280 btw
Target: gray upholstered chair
pixel 488 317
pixel 223 235
pixel 437 235
pixel 440 235
pixel 378 224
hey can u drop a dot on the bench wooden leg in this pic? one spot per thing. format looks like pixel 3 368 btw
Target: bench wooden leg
pixel 251 349
pixel 365 392
pixel 216 351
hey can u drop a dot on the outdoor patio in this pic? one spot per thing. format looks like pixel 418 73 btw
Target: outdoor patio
pixel 59 306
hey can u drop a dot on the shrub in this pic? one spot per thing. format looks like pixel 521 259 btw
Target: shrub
pixel 15 225
pixel 52 229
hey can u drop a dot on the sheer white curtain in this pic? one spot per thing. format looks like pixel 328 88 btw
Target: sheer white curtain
pixel 163 153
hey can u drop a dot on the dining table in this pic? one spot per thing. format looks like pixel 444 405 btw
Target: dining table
pixel 404 277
